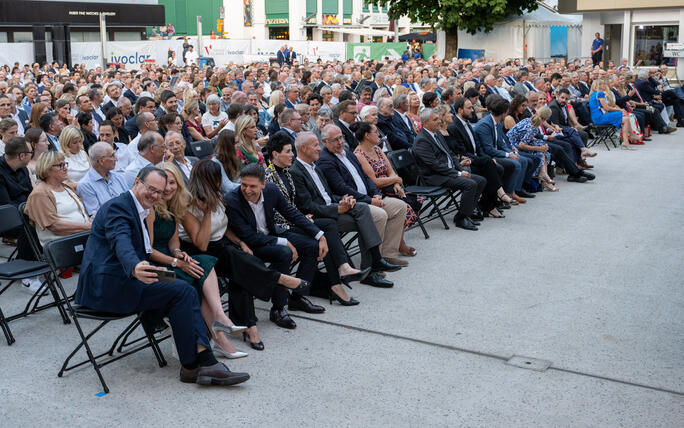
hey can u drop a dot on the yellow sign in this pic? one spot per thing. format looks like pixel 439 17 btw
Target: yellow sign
pixel 219 26
pixel 277 21
pixel 331 20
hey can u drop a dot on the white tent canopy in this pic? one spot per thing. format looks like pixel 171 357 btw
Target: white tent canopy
pixel 506 40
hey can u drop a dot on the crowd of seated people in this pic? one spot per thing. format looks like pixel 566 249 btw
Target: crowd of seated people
pixel 301 157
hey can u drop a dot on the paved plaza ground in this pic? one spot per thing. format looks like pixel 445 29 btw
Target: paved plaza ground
pixel 589 279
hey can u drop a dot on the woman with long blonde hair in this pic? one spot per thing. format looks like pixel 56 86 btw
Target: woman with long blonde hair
pixel 247 149
pixel 198 271
pixel 605 112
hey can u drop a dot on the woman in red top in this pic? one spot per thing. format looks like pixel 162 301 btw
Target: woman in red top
pixel 193 120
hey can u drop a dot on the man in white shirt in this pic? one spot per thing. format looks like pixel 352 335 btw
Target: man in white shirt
pixel 191 56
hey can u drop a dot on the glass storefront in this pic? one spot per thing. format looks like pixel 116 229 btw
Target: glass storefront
pixel 650 42
pixel 279 33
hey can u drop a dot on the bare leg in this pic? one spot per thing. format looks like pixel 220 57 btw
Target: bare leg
pixel 340 291
pixel 288 281
pixel 404 248
pixel 626 132
pixel 253 334
pixel 213 311
pixel 346 269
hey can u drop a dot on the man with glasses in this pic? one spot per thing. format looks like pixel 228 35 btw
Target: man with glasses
pixel 15 185
pixel 116 277
pixel 346 112
pixel 291 96
pixel 146 123
pixel 151 151
pixel 101 183
pixel 290 125
pixel 143 105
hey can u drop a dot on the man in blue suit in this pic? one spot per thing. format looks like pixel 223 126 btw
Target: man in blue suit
pixel 251 213
pixel 280 55
pixel 401 121
pixel 117 277
pixel 397 138
pixel 490 132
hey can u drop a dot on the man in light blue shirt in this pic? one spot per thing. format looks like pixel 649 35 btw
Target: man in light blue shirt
pixel 151 150
pixel 101 183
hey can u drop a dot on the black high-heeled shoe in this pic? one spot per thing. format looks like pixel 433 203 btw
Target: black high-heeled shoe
pixel 303 284
pixel 333 296
pixel 259 346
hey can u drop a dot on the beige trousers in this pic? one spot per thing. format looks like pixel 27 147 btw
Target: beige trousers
pixel 389 221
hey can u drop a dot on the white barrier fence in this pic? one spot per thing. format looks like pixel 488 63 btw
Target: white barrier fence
pixel 134 53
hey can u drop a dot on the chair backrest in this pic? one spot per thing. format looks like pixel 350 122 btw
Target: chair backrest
pixel 11 218
pixel 202 149
pixel 31 234
pixel 66 252
pixel 404 164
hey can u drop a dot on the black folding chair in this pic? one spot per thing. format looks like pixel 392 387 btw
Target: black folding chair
pixel 67 252
pixel 604 134
pixel 202 149
pixel 436 198
pixel 18 269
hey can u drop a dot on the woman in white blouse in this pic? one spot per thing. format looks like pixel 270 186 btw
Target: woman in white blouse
pixel 71 145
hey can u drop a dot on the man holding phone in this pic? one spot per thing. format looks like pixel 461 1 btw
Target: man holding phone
pixel 117 277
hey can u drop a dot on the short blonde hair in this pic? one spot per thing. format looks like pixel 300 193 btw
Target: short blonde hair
pixel 542 115
pixel 45 162
pixel 68 135
pixel 274 99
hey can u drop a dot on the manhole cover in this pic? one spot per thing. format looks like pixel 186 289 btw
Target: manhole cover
pixel 529 363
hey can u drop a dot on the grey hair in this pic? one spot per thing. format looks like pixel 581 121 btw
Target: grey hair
pixel 382 101
pixel 489 77
pixel 379 94
pixel 289 88
pixel 213 99
pixel 171 134
pixel 537 80
pixel 325 111
pixel 302 138
pixel 325 132
pixel 123 100
pixel 366 110
pixel 147 141
pixel 98 150
pixel 286 116
pixel 400 99
pixel 335 86
pixel 426 114
pixel 424 82
pixel 643 74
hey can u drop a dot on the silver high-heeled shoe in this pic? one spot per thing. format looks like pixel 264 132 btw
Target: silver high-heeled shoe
pixel 228 329
pixel 219 352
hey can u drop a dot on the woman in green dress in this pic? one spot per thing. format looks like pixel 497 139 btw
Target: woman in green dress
pixel 248 148
pixel 198 271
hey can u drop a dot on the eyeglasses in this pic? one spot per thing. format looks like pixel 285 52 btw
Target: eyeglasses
pixel 29 152
pixel 61 165
pixel 152 189
pixel 338 138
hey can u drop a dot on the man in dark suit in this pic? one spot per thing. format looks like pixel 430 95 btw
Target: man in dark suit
pixel 438 166
pixel 346 113
pixel 169 104
pixel 280 55
pixel 346 177
pixel 401 121
pixel 117 277
pixel 251 212
pixel 144 104
pixel 291 56
pixel 490 134
pixel 649 92
pixel 396 138
pixel 313 196
pixel 290 124
pixel 562 117
pixel 326 80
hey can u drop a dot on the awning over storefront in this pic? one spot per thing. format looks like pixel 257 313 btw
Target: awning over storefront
pixel 358 31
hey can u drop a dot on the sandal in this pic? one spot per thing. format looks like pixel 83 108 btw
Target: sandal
pixel 491 214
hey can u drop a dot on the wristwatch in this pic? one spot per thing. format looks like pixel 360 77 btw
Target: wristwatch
pixel 174 263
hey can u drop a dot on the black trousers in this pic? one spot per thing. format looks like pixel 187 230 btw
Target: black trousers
pixel 280 258
pixel 359 219
pixel 490 172
pixel 336 256
pixel 561 153
pixel 471 189
pixel 248 276
pixel 670 98
pixel 24 250
pixel 596 58
pixel 179 301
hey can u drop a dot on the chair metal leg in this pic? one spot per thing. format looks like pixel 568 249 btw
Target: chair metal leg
pixel 6 329
pixel 91 358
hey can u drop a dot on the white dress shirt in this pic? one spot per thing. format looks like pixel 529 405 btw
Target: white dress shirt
pixel 317 181
pixel 143 213
pixel 450 163
pixel 360 185
pixel 467 129
pixel 260 216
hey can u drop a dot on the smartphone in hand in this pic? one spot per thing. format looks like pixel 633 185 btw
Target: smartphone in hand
pixel 166 276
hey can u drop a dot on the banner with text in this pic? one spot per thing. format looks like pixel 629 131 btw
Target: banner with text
pixel 378 51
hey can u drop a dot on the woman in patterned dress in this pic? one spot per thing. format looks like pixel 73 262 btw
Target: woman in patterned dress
pixel 247 149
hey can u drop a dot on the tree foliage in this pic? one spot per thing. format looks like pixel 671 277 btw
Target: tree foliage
pixel 449 15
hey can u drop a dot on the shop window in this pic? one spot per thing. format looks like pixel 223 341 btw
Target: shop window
pixel 327 36
pixel 279 33
pixel 23 37
pixel 650 42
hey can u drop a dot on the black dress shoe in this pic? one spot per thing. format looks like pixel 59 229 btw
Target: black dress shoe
pixel 301 303
pixel 476 216
pixel 360 276
pixel 475 222
pixel 375 280
pixel 334 296
pixel 524 194
pixel 219 374
pixel 464 223
pixel 383 265
pixel 503 206
pixel 282 319
pixel 577 179
pixel 589 176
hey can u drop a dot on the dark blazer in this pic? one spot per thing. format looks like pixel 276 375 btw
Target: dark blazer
pixel 397 138
pixel 557 116
pixel 105 108
pixel 159 112
pixel 349 136
pixel 432 160
pixel 282 131
pixel 460 143
pixel 646 90
pixel 484 129
pixel 243 222
pixel 128 93
pixel 114 248
pixel 23 117
pixel 620 101
pixel 132 128
pixel 320 86
pixel 280 57
pixel 307 196
pixel 340 179
pixel 583 88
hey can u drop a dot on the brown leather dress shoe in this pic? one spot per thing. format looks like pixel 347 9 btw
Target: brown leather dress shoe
pixel 188 375
pixel 518 199
pixel 219 374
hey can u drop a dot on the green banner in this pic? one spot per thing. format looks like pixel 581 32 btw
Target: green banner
pixel 378 51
